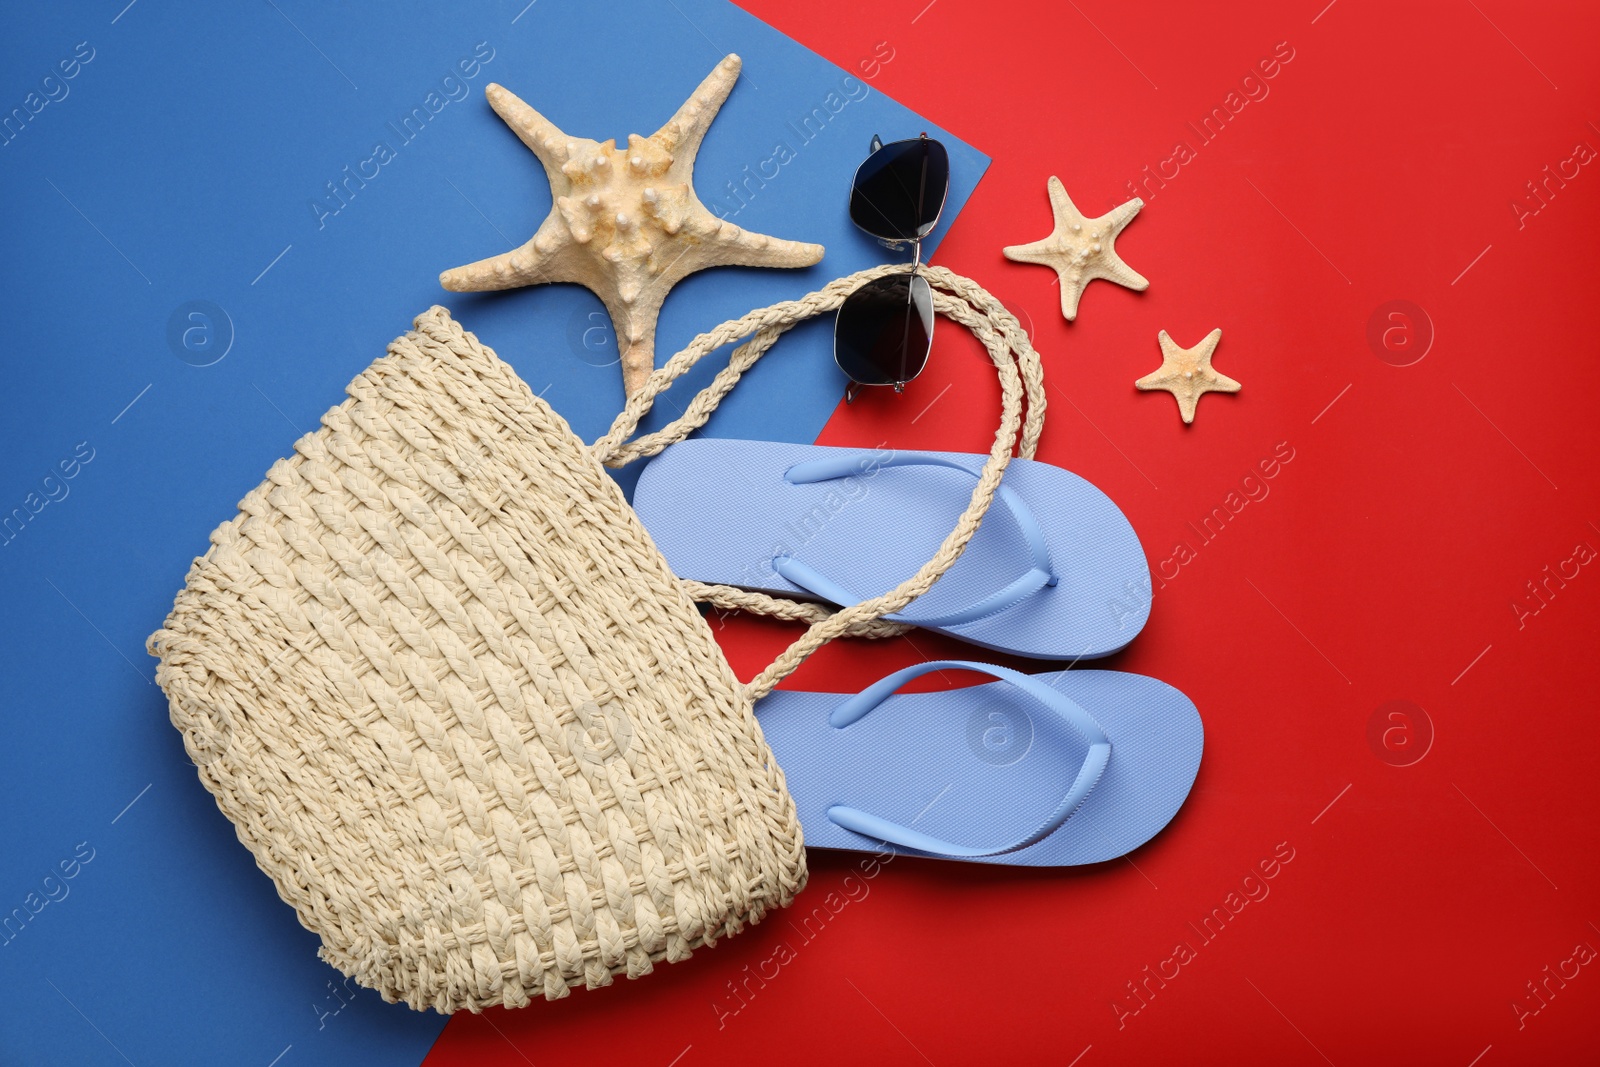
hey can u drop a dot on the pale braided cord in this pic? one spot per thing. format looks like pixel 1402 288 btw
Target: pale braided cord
pixel 845 619
pixel 776 320
pixel 954 297
pixel 728 597
pixel 994 315
pixel 769 323
pixel 732 598
pixel 766 324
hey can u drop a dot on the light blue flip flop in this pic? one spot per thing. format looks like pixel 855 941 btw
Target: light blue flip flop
pixel 1044 770
pixel 1055 571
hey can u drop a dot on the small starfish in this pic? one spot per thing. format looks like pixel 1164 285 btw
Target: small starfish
pixel 1081 249
pixel 1186 373
pixel 626 223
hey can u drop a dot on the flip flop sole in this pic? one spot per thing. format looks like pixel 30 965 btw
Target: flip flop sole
pixel 983 765
pixel 721 511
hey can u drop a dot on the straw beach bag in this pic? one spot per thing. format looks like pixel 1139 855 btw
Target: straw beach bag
pixel 459 709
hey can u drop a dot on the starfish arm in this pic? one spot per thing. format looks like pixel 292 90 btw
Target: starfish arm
pixel 1224 384
pixel 1034 252
pixel 682 133
pixel 1071 293
pixel 537 261
pixel 745 249
pixel 1182 391
pixel 633 323
pixel 543 137
pixel 1060 203
pixel 1113 269
pixel 1121 215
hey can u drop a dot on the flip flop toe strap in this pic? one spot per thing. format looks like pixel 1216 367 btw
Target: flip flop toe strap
pixel 879 829
pixel 1038 576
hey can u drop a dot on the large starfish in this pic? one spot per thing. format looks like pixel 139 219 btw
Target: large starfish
pixel 626 223
pixel 1186 373
pixel 1081 249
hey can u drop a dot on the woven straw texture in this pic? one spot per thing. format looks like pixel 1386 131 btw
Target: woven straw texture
pixel 459 709
pixel 452 699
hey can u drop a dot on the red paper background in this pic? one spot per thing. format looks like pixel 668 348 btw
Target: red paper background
pixel 1382 565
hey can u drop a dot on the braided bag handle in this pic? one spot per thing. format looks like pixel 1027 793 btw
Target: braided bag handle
pixel 955 297
pixel 732 598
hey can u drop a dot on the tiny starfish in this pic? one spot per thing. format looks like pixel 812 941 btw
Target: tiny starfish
pixel 626 223
pixel 1186 373
pixel 1081 249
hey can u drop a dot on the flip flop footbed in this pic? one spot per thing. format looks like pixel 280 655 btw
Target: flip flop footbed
pixel 721 511
pixel 984 765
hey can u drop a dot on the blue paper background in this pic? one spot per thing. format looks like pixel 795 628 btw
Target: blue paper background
pixel 178 165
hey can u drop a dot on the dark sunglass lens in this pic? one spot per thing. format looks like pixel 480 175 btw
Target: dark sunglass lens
pixel 899 190
pixel 884 330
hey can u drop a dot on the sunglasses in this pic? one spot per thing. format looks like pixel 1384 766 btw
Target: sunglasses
pixel 885 328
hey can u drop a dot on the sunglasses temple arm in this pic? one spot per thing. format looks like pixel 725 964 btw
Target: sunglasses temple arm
pixel 905 329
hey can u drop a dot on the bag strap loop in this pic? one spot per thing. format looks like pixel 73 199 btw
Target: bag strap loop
pixel 957 298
